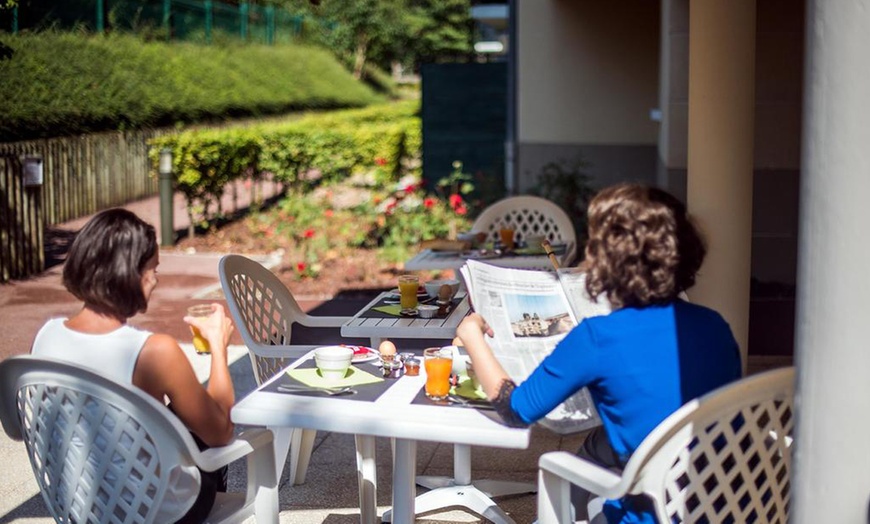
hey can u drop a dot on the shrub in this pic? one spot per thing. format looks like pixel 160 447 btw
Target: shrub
pixel 314 150
pixel 61 83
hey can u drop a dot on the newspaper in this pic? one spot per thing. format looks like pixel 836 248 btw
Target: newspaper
pixel 530 312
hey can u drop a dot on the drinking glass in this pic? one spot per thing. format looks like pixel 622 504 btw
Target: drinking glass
pixel 408 285
pixel 507 237
pixel 200 344
pixel 438 363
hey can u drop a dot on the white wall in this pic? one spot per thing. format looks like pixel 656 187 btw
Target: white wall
pixel 587 71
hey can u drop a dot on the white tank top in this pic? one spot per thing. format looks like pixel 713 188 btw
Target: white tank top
pixel 114 355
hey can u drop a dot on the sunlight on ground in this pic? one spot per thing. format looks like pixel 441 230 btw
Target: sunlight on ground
pixel 202 363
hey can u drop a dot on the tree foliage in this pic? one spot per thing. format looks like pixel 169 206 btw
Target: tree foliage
pixel 382 32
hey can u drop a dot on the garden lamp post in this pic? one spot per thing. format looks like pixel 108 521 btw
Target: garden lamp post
pixel 167 228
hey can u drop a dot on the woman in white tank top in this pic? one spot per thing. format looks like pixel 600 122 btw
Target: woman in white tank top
pixel 112 269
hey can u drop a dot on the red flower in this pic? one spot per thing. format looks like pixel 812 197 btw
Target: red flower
pixel 410 188
pixel 328 213
pixel 381 161
pixel 455 200
pixel 390 207
pixel 308 233
pixel 300 267
pixel 461 209
pixel 429 202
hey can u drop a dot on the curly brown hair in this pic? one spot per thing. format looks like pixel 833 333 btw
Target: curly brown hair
pixel 643 248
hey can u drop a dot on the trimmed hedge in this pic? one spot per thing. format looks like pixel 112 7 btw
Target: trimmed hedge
pixel 315 149
pixel 61 83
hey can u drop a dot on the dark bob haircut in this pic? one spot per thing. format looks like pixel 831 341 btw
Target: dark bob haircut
pixel 643 248
pixel 105 263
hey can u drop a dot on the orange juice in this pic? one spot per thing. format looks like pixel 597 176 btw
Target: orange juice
pixel 507 237
pixel 199 341
pixel 439 364
pixel 408 285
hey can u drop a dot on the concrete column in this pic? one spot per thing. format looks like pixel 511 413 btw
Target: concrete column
pixel 720 157
pixel 832 463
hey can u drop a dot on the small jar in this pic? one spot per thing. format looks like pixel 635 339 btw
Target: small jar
pixel 403 357
pixel 392 369
pixel 412 366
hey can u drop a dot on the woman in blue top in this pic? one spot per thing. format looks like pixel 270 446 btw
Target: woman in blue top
pixel 651 355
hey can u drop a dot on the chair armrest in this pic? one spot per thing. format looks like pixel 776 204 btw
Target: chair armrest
pixel 244 444
pixel 583 473
pixel 326 322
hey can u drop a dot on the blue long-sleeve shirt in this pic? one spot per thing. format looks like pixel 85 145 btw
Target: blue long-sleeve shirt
pixel 640 365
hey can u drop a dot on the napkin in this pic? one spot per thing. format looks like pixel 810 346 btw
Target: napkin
pixel 394 309
pixel 466 389
pixel 354 377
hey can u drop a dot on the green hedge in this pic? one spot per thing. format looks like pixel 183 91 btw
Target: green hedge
pixel 315 149
pixel 62 83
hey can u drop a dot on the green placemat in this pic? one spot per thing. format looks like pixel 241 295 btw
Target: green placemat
pixel 354 377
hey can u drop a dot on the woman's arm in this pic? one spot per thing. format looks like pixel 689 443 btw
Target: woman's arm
pixel 163 370
pixel 489 372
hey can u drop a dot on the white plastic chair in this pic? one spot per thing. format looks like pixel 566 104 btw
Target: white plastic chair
pixel 264 311
pixel 724 457
pixel 529 215
pixel 77 425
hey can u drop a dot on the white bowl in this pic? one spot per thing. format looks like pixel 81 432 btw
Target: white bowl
pixel 333 361
pixel 433 286
pixel 469 370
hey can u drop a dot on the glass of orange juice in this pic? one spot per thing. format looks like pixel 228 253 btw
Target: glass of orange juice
pixel 438 363
pixel 199 342
pixel 408 285
pixel 507 237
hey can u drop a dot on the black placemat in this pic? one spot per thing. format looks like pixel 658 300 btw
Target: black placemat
pixel 364 392
pixel 373 313
pixel 423 400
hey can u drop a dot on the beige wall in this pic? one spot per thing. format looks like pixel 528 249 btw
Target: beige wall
pixel 587 71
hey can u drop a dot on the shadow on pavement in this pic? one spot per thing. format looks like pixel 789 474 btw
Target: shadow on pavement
pixel 32 508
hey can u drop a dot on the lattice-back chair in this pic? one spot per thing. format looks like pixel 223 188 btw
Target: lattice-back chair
pixel 529 215
pixel 104 452
pixel 725 457
pixel 264 311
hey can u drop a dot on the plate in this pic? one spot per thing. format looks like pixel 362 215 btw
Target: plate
pixel 362 354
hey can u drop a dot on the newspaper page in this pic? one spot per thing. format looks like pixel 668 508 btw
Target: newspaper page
pixel 529 313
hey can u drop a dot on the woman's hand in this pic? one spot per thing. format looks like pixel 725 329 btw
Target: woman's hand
pixel 472 328
pixel 489 372
pixel 216 328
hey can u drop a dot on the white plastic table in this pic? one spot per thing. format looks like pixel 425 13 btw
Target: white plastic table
pixel 427 259
pixel 365 420
pixel 377 329
pixel 458 490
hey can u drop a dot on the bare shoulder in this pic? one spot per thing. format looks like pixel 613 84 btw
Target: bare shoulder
pixel 161 363
pixel 160 347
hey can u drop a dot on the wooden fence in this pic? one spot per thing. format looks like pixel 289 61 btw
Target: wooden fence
pixel 82 175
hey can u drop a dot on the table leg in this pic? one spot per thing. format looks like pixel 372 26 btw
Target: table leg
pixel 301 446
pixel 367 476
pixel 282 436
pixel 462 491
pixel 404 469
